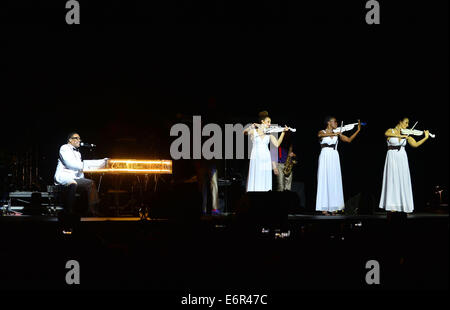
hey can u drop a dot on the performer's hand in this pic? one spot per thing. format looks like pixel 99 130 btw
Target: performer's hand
pixel 427 133
pixel 286 128
pixel 359 124
pixel 275 171
pixel 291 154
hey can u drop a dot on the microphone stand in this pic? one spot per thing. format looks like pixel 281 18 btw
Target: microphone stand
pixel 225 205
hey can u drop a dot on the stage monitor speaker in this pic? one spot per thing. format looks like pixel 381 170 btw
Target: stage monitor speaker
pixel 361 203
pixel 299 188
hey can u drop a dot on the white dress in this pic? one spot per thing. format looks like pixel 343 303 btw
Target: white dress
pixel 396 194
pixel 260 168
pixel 330 195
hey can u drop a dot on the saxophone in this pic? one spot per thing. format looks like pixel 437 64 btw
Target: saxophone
pixel 288 165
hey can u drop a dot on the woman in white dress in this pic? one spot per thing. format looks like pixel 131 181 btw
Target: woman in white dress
pixel 260 168
pixel 330 196
pixel 396 194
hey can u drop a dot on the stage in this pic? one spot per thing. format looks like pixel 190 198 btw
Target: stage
pixel 227 217
pixel 160 106
pixel 306 252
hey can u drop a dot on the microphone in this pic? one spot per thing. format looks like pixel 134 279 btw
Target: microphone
pixel 87 145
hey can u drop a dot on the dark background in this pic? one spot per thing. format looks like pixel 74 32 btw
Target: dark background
pixel 134 68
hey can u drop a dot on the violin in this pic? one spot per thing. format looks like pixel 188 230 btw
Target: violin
pixel 415 132
pixel 274 128
pixel 347 127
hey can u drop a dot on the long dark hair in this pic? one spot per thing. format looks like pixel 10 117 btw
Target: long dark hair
pixel 401 118
pixel 327 119
pixel 262 115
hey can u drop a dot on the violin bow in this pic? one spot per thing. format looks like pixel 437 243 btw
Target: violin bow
pixel 410 131
pixel 412 128
pixel 342 125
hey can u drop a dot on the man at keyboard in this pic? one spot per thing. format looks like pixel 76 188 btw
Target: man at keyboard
pixel 69 173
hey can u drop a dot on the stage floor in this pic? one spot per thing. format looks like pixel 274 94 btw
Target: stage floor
pixel 380 216
pixel 306 252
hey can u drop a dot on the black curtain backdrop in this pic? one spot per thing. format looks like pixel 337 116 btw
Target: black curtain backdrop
pixel 125 75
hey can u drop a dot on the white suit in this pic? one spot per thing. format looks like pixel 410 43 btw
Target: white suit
pixel 70 165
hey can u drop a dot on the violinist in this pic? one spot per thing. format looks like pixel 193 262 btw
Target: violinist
pixel 330 196
pixel 396 193
pixel 261 164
